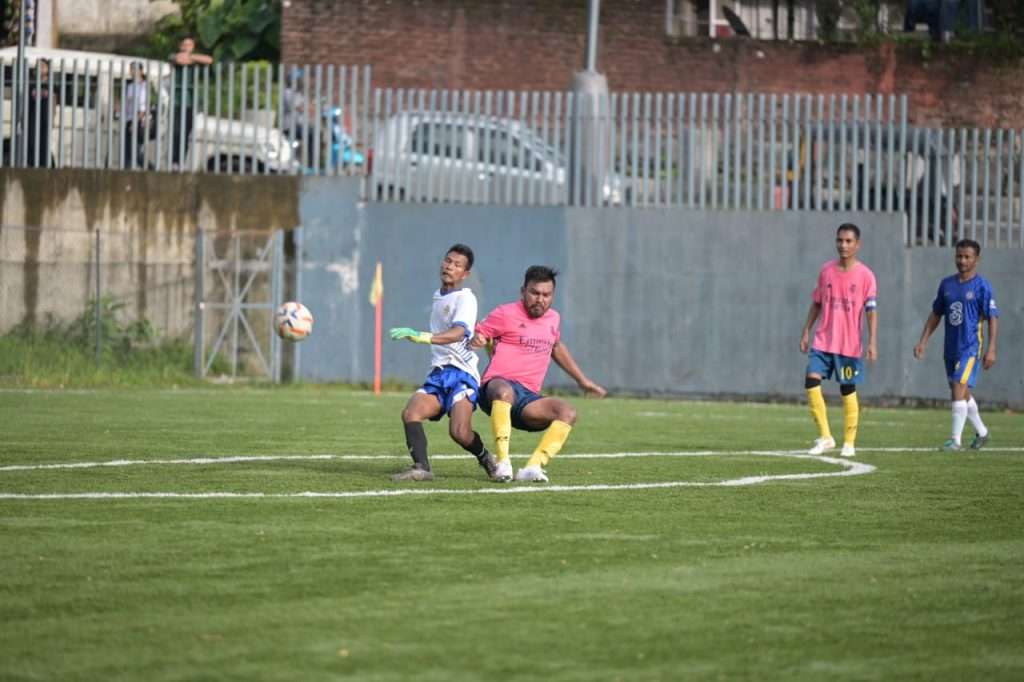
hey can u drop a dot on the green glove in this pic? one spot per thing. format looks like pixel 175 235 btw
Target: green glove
pixel 398 333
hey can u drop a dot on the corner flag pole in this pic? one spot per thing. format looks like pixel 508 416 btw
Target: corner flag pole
pixel 377 300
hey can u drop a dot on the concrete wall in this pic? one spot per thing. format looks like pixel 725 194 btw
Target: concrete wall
pixel 107 25
pixel 653 301
pixel 147 224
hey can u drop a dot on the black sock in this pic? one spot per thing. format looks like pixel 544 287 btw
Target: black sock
pixel 416 440
pixel 476 448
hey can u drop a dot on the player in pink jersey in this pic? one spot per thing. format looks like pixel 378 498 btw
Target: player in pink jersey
pixel 526 338
pixel 844 298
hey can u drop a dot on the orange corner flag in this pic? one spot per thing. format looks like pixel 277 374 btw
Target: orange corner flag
pixel 377 288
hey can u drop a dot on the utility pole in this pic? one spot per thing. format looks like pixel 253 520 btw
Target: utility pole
pixel 590 127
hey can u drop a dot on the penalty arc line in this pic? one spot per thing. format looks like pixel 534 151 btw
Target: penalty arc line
pixel 850 468
pixel 236 459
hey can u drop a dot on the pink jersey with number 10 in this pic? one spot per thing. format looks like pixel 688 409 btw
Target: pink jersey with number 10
pixel 522 351
pixel 844 296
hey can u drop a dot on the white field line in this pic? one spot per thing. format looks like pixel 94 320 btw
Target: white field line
pixel 849 468
pixel 235 459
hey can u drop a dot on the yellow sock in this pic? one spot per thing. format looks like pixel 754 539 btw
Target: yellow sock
pixel 816 401
pixel 851 417
pixel 501 424
pixel 550 443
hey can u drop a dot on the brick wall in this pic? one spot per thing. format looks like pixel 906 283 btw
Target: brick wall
pixel 539 44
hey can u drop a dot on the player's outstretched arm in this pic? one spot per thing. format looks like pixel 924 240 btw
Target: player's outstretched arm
pixel 399 333
pixel 455 333
pixel 929 326
pixel 563 358
pixel 989 361
pixel 805 336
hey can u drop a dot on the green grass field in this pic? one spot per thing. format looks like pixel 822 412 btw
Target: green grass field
pixel 910 568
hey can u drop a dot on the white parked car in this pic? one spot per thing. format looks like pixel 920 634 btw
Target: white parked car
pixel 447 156
pixel 87 130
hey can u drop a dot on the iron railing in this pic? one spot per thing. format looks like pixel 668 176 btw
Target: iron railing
pixel 783 152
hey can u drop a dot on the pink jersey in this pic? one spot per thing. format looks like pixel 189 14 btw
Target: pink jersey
pixel 523 345
pixel 844 297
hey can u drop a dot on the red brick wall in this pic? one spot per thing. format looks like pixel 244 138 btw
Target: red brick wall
pixel 539 44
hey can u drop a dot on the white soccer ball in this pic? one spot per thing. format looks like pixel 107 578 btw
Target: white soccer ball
pixel 293 321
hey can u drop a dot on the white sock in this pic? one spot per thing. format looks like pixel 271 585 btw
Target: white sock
pixel 959 418
pixel 975 417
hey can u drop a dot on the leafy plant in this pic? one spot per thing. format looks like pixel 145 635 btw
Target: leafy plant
pixel 228 30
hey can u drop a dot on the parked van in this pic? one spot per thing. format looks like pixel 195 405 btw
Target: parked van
pixel 447 156
pixel 87 130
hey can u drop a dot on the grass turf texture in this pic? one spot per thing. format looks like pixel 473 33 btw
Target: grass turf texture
pixel 910 572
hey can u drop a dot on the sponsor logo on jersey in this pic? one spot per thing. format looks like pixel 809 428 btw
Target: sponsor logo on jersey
pixel 956 313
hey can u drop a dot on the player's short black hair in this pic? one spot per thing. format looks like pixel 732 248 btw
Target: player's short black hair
pixel 969 244
pixel 540 273
pixel 465 251
pixel 849 227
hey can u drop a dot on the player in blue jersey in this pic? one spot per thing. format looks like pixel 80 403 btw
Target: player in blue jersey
pixel 453 385
pixel 966 300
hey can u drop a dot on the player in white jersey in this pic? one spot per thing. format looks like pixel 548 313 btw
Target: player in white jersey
pixel 453 385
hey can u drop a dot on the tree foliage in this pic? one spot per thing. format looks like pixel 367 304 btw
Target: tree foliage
pixel 228 30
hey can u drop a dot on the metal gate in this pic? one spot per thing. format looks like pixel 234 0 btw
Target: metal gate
pixel 239 283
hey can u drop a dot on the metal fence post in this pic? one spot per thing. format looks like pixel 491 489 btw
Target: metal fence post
pixel 98 308
pixel 199 294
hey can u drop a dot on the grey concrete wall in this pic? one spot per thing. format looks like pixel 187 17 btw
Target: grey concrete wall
pixel 652 301
pixel 147 224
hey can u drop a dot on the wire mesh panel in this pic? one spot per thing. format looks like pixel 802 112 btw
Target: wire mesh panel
pixel 239 277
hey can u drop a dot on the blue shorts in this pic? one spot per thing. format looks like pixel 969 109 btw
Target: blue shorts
pixel 964 370
pixel 449 385
pixel 842 368
pixel 523 397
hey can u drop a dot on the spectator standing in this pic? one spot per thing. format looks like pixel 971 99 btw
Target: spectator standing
pixel 40 110
pixel 135 115
pixel 182 112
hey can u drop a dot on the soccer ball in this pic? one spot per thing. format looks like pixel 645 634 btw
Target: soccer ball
pixel 293 321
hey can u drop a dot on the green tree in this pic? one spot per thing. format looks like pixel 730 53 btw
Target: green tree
pixel 229 30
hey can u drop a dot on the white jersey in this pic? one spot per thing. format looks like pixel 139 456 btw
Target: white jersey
pixel 457 307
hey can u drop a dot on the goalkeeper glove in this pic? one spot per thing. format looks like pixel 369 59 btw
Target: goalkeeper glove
pixel 398 333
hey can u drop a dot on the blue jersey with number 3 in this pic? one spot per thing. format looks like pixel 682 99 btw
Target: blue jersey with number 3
pixel 965 305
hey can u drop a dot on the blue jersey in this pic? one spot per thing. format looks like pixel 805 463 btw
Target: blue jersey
pixel 965 305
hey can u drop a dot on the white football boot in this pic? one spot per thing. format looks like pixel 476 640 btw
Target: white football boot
pixel 533 474
pixel 848 450
pixel 503 471
pixel 822 445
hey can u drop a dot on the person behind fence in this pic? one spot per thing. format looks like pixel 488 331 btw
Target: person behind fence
pixel 184 84
pixel 295 120
pixel 966 300
pixel 135 115
pixel 844 297
pixel 40 114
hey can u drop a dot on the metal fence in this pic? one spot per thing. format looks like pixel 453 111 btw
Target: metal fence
pixel 697 150
pixel 89 110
